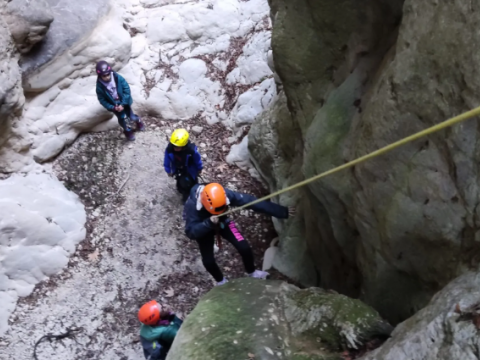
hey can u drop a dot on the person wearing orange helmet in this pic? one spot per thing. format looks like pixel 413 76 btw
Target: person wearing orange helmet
pixel 159 328
pixel 202 223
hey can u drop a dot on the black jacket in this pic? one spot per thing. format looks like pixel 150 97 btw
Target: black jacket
pixel 198 224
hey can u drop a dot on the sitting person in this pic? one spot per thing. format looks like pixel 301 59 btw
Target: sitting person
pixel 158 330
pixel 113 93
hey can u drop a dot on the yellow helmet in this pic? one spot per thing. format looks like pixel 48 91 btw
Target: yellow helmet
pixel 179 137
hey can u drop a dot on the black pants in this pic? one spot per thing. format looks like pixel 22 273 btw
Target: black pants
pixel 233 236
pixel 185 183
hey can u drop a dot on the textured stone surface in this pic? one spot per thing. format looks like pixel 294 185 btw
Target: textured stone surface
pixel 28 22
pixel 11 94
pixel 357 77
pixel 439 332
pixel 73 21
pixel 274 320
pixel 40 224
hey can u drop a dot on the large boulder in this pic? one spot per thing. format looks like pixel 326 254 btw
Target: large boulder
pixel 446 329
pixel 356 76
pixel 40 224
pixel 83 32
pixel 248 318
pixel 11 93
pixel 28 22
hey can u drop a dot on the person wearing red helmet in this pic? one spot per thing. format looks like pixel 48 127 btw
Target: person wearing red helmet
pixel 158 330
pixel 113 93
pixel 202 223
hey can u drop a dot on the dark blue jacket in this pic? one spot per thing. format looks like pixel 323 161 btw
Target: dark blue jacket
pixel 193 160
pixel 123 90
pixel 198 224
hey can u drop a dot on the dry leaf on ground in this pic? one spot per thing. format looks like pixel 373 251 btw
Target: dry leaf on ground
pixel 93 257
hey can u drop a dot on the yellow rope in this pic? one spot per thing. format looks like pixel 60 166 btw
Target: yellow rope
pixel 418 135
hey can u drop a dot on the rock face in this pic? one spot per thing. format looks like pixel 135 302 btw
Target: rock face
pixel 357 77
pixel 446 329
pixel 40 224
pixel 11 94
pixel 247 318
pixel 28 22
pixel 67 46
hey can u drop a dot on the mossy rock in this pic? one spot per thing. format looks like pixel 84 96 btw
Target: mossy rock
pixel 249 317
pixel 335 320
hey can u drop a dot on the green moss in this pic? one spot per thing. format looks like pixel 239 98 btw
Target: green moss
pixel 225 323
pixel 335 311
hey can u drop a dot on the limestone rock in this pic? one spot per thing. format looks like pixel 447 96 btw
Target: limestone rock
pixel 197 130
pixel 11 94
pixel 82 33
pixel 240 156
pixel 40 224
pixel 439 331
pixel 252 102
pixel 404 223
pixel 268 319
pixel 28 22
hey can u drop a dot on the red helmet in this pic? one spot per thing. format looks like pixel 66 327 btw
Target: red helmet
pixel 149 314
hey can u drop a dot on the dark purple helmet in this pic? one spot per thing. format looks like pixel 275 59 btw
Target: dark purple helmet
pixel 103 68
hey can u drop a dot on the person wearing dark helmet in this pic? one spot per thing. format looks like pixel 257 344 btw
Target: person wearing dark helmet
pixel 113 93
pixel 202 223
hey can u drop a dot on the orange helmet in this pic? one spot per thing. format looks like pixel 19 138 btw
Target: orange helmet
pixel 214 198
pixel 149 314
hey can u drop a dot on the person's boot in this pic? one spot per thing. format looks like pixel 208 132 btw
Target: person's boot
pixel 129 135
pixel 140 125
pixel 259 274
pixel 224 281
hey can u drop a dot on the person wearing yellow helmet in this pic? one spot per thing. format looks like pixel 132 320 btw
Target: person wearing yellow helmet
pixel 182 161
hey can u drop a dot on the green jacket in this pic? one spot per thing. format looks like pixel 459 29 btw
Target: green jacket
pixel 123 90
pixel 164 334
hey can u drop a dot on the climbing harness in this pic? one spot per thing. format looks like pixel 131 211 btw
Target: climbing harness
pixel 447 123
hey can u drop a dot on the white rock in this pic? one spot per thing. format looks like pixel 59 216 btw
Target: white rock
pixel 252 65
pixel 40 224
pixel 252 102
pixel 197 130
pixel 109 41
pixel 269 257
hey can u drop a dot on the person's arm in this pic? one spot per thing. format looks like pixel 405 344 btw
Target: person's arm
pixel 264 207
pixel 195 228
pixel 126 94
pixel 167 163
pixel 103 100
pixel 197 160
pixel 198 229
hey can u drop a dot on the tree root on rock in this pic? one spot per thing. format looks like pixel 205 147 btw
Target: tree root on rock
pixel 70 333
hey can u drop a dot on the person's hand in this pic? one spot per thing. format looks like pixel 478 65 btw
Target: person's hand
pixel 166 311
pixel 170 174
pixel 119 108
pixel 214 219
pixel 292 210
